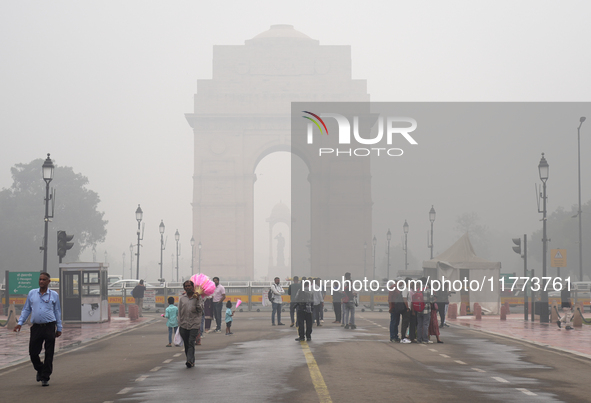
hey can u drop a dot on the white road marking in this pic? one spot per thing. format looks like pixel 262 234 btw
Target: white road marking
pixel 478 370
pixel 445 356
pixel 155 369
pixel 432 349
pixel 527 392
pixel 460 362
pixel 167 361
pixel 141 378
pixel 124 391
pixel 498 379
pixel 177 355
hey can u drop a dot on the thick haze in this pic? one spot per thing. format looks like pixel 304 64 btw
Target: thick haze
pixel 104 87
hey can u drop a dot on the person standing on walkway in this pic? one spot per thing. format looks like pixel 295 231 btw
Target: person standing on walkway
pixel 349 299
pixel 190 312
pixel 44 307
pixel 304 305
pixel 443 303
pixel 421 304
pixel 396 308
pixel 277 292
pixel 219 295
pixel 138 294
pixel 336 305
pixel 172 323
pixel 292 290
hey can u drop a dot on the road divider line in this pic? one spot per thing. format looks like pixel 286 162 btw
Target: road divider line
pixel 124 391
pixel 141 378
pixel 461 362
pixel 445 356
pixel 478 370
pixel 155 369
pixel 167 361
pixel 499 379
pixel 432 349
pixel 527 392
pixel 177 355
pixel 317 379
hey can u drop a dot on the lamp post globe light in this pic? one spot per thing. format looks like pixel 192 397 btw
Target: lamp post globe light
pixel 432 219
pixel 544 169
pixel 192 253
pixel 161 228
pixel 581 120
pixel 388 237
pixel 374 242
pixel 177 236
pixel 199 266
pixel 405 229
pixel 139 214
pixel 48 168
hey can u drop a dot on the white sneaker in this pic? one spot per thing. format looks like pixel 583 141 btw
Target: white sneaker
pixel 429 342
pixel 322 320
pixel 405 341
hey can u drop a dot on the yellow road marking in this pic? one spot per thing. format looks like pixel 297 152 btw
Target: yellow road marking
pixel 317 379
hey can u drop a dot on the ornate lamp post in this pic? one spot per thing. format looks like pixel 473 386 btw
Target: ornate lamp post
pixel 47 177
pixel 432 219
pixel 177 236
pixel 374 242
pixel 130 260
pixel 161 228
pixel 405 229
pixel 543 169
pixel 364 258
pixel 192 253
pixel 138 216
pixel 199 267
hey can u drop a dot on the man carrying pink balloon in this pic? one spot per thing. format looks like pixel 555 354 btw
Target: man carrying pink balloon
pixel 189 318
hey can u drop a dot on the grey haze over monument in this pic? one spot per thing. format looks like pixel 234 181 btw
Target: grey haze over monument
pixel 241 115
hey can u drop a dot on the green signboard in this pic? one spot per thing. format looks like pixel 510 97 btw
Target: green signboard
pixel 22 282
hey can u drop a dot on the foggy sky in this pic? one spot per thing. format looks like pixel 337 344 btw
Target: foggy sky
pixel 104 87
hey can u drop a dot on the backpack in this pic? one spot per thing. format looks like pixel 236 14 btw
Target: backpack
pixel 418 304
pixel 270 295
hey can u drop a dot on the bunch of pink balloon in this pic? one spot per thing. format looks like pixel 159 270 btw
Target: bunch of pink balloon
pixel 238 303
pixel 203 285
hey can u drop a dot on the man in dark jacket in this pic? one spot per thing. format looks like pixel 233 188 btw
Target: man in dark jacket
pixel 138 294
pixel 292 291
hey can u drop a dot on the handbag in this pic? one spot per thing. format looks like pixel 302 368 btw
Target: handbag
pixel 178 340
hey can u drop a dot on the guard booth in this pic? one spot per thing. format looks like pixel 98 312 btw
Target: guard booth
pixel 83 292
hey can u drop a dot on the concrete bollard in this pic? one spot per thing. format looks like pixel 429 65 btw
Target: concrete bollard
pixel 109 305
pixel 134 312
pixel 554 313
pixel 452 311
pixel 507 308
pixel 577 318
pixel 477 311
pixel 503 312
pixel 462 309
pixel 121 310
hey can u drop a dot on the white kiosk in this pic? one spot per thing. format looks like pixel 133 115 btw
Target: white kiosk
pixel 83 292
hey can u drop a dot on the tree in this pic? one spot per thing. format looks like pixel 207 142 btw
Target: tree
pixel 480 235
pixel 22 211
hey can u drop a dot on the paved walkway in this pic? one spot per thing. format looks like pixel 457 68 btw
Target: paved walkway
pixel 14 347
pixel 576 341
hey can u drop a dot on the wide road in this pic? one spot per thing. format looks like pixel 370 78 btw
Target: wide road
pixel 264 363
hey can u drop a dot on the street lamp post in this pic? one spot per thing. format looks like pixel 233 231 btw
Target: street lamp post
pixel 388 237
pixel 364 258
pixel 374 242
pixel 581 120
pixel 123 271
pixel 405 229
pixel 161 228
pixel 192 253
pixel 47 177
pixel 177 236
pixel 432 219
pixel 130 260
pixel 543 169
pixel 199 267
pixel 138 216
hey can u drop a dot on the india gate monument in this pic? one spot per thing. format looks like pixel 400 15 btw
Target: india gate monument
pixel 241 115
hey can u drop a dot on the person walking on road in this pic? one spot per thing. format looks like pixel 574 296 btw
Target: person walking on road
pixel 304 305
pixel 229 317
pixel 349 299
pixel 172 323
pixel 190 312
pixel 219 295
pixel 277 291
pixel 138 294
pixel 292 290
pixel 44 307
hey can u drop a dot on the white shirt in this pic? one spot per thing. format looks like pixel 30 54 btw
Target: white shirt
pixel 277 291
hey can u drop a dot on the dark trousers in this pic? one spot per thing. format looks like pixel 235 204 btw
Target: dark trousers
pixel 292 307
pixel 305 317
pixel 317 310
pixel 189 336
pixel 42 334
pixel 217 313
pixel 441 306
pixel 408 320
pixel 337 310
pixel 394 322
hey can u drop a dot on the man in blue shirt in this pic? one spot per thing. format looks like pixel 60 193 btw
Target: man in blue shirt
pixel 44 307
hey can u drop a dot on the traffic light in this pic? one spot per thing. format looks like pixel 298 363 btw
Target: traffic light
pixel 63 243
pixel 517 249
